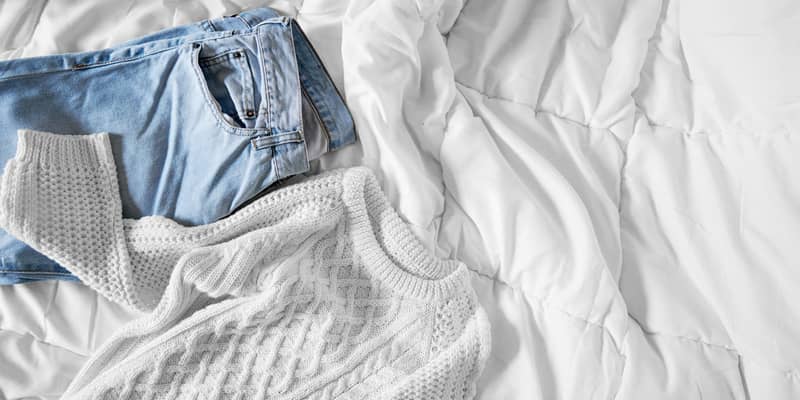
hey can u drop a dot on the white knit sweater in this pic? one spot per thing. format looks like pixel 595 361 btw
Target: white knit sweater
pixel 318 290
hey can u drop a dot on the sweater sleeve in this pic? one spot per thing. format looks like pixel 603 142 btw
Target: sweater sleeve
pixel 59 194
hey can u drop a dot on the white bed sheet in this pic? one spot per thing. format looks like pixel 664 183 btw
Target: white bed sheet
pixel 620 175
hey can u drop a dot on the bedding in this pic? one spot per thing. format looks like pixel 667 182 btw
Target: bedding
pixel 621 176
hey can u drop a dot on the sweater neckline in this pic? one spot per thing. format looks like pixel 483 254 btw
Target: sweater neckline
pixel 388 246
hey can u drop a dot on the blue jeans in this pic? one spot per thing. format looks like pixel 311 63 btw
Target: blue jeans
pixel 202 117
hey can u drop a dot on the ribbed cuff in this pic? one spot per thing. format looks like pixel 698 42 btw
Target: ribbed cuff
pixel 64 151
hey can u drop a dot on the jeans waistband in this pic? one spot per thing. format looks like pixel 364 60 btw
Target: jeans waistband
pixel 314 77
pixel 315 82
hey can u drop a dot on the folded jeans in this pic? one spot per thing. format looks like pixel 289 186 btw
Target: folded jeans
pixel 202 117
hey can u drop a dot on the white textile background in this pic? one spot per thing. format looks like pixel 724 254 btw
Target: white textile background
pixel 621 176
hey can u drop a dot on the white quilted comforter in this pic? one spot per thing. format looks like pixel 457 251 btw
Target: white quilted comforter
pixel 622 175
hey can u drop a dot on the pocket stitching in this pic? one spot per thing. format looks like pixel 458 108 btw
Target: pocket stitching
pixel 218 58
pixel 248 82
pixel 212 104
pixel 240 63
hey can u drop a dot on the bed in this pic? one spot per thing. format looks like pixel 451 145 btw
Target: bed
pixel 621 177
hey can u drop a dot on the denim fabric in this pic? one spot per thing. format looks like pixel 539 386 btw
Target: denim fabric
pixel 202 117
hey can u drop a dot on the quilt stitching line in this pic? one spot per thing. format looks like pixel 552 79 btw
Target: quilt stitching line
pixel 584 124
pixel 464 4
pixel 40 341
pixel 791 374
pixel 546 305
pixel 650 332
pixel 537 110
pixel 531 106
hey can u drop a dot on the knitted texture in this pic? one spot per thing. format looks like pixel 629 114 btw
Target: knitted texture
pixel 318 290
pixel 70 185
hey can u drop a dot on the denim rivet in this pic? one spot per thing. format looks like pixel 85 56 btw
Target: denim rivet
pixel 237 55
pixel 250 113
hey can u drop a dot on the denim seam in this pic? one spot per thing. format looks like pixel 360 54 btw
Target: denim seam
pixel 300 90
pixel 244 21
pixel 318 117
pixel 274 21
pixel 203 24
pixel 324 114
pixel 248 97
pixel 219 58
pixel 208 25
pixel 81 67
pixel 33 272
pixel 327 75
pixel 270 85
pixel 262 63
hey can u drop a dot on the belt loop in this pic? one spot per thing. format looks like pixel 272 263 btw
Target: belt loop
pixel 255 16
pixel 244 21
pixel 208 25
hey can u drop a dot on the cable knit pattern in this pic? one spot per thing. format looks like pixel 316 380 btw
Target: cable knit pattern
pixel 318 290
